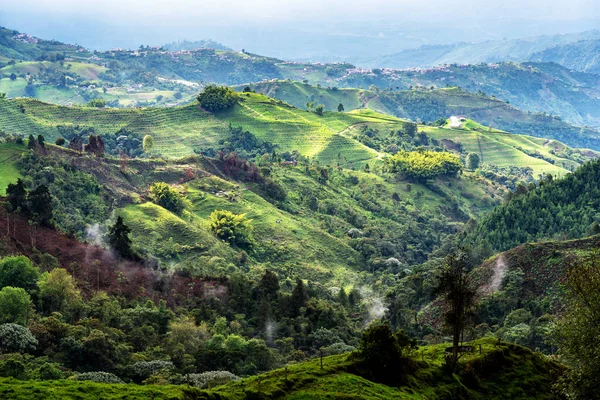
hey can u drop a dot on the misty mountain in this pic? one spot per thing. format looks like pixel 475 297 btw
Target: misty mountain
pixel 523 49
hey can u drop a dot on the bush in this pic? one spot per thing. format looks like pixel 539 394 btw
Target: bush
pixel 217 98
pixel 425 164
pixel 234 228
pixel 211 378
pixel 167 197
pixel 16 339
pixel 142 370
pixel 98 376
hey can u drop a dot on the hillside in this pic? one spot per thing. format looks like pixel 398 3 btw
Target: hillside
pixel 566 208
pixel 155 76
pixel 521 374
pixel 581 55
pixel 431 105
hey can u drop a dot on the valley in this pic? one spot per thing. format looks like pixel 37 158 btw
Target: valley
pixel 190 221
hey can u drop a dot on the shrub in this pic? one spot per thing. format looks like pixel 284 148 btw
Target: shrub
pixel 142 370
pixel 16 339
pixel 167 197
pixel 233 228
pixel 98 376
pixel 211 378
pixel 421 165
pixel 217 98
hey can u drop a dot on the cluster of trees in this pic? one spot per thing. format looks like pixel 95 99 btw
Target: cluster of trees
pixel 35 204
pixel 424 164
pixel 50 328
pixel 217 98
pixel 166 197
pixel 555 208
pixel 233 228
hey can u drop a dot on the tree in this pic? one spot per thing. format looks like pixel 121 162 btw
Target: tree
pixel 310 105
pixel 16 339
pixel 97 103
pixel 577 331
pixel 40 205
pixel 13 77
pixel 18 271
pixel 299 297
pixel 319 109
pixel 472 161
pixel 340 107
pixel 384 354
pixel 458 291
pixel 58 290
pixel 118 238
pixel 41 141
pixel 166 197
pixel 31 143
pixel 15 305
pixel 217 98
pixel 233 228
pixel 17 196
pixel 148 144
pixel 60 141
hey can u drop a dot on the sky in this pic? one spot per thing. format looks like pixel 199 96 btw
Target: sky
pixel 296 29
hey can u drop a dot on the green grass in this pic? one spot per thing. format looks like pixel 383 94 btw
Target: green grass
pixel 504 149
pixel 74 390
pixel 505 372
pixel 9 156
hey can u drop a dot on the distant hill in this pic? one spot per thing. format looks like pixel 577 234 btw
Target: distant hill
pixel 195 44
pixel 426 105
pixel 522 49
pixel 583 55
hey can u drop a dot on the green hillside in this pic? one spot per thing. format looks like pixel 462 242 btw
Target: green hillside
pixel 430 105
pixel 502 370
pixel 565 207
pixel 180 131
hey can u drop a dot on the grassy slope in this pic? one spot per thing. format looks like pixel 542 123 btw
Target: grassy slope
pixel 504 149
pixel 177 131
pixel 9 172
pixel 73 390
pixel 504 372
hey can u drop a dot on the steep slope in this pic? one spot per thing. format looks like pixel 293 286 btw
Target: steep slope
pixel 567 207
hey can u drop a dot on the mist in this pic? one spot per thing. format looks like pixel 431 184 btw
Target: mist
pixel 332 30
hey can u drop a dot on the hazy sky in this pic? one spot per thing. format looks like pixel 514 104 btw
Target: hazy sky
pixel 297 28
pixel 295 9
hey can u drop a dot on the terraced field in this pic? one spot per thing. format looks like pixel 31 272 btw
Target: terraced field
pixel 505 149
pixel 329 138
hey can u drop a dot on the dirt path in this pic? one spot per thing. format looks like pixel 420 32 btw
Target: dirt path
pixel 499 268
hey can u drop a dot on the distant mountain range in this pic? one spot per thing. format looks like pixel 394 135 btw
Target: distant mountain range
pixel 539 48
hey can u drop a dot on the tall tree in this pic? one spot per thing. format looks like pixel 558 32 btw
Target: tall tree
pixel 118 237
pixel 458 290
pixel 17 196
pixel 340 107
pixel 148 144
pixel 18 271
pixel 577 332
pixel 15 305
pixel 40 205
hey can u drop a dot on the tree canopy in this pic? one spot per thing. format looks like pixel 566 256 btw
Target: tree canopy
pixel 217 98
